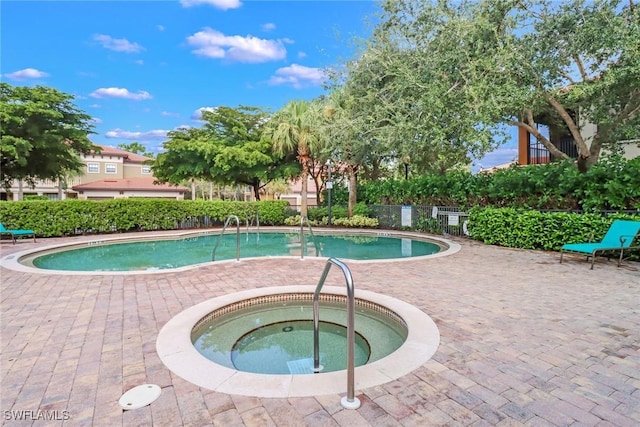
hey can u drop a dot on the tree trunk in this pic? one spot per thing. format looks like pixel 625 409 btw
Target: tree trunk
pixel 353 188
pixel 316 180
pixel 304 162
pixel 303 193
pixel 211 191
pixel 529 124
pixel 193 189
pixel 256 189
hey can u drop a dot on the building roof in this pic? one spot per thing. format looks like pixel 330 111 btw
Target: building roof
pixel 128 184
pixel 498 167
pixel 126 155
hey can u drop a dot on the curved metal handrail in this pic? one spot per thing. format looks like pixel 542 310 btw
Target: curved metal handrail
pixel 257 218
pixel 349 401
pixel 313 237
pixel 229 218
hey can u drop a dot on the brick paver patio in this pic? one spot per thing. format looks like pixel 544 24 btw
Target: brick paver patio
pixel 524 341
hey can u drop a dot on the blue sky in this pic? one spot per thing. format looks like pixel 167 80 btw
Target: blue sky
pixel 142 68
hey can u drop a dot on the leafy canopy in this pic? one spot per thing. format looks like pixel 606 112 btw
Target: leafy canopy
pixel 228 149
pixel 294 130
pixel 456 69
pixel 42 133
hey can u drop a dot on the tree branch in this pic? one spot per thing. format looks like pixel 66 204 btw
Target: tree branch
pixel 530 126
pixel 568 77
pixel 583 73
pixel 583 150
pixel 632 107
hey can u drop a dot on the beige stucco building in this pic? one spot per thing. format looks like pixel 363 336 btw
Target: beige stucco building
pixel 113 173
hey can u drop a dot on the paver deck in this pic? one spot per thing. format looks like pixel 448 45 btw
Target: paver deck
pixel 524 341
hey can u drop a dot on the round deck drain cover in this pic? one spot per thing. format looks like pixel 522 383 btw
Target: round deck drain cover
pixel 139 396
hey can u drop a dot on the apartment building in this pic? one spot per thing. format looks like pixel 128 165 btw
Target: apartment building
pixel 531 151
pixel 111 174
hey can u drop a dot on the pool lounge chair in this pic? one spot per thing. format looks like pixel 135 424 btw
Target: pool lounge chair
pixel 620 236
pixel 16 233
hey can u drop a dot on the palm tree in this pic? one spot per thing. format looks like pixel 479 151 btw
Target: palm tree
pixel 293 129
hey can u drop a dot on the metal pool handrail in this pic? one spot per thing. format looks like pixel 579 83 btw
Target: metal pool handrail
pixel 251 223
pixel 313 237
pixel 229 218
pixel 349 401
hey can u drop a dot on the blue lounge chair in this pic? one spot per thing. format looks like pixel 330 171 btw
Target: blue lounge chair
pixel 619 237
pixel 16 233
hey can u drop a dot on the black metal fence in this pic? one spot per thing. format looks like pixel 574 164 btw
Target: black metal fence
pixel 446 220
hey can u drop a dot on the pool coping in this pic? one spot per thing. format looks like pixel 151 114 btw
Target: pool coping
pixel 176 351
pixel 12 261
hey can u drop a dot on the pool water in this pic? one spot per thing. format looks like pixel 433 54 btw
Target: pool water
pixel 166 253
pixel 287 348
pixel 277 338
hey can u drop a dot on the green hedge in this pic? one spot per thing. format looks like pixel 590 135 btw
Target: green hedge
pixel 527 229
pixel 59 218
pixel 612 183
pixel 316 214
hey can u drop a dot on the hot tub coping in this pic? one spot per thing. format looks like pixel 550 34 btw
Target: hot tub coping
pixel 176 351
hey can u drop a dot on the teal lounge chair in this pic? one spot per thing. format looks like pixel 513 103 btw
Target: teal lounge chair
pixel 619 237
pixel 16 233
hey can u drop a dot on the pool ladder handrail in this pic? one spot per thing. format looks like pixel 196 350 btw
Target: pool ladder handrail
pixel 226 223
pixel 349 401
pixel 313 237
pixel 257 218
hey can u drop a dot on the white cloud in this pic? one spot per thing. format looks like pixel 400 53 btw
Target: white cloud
pixel 497 157
pixel 94 105
pixel 169 114
pixel 302 54
pixel 269 26
pixel 27 73
pixel 140 136
pixel 160 27
pixel 116 92
pixel 214 44
pixel 118 45
pixel 139 62
pixel 298 76
pixel 197 115
pixel 96 120
pixel 220 4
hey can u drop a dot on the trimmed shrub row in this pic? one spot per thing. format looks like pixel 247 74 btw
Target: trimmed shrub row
pixel 528 229
pixel 613 183
pixel 68 217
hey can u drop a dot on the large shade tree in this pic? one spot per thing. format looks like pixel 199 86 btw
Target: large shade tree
pixel 43 134
pixel 294 129
pixel 227 149
pixel 352 144
pixel 475 64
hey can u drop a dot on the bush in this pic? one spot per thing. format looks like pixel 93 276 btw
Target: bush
pixel 28 197
pixel 295 221
pixel 316 214
pixel 527 229
pixel 68 217
pixel 357 221
pixel 612 183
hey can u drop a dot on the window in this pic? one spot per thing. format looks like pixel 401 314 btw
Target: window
pixel 146 170
pixel 110 168
pixel 93 168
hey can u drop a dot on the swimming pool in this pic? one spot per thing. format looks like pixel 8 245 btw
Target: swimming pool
pixel 171 252
pixel 405 244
